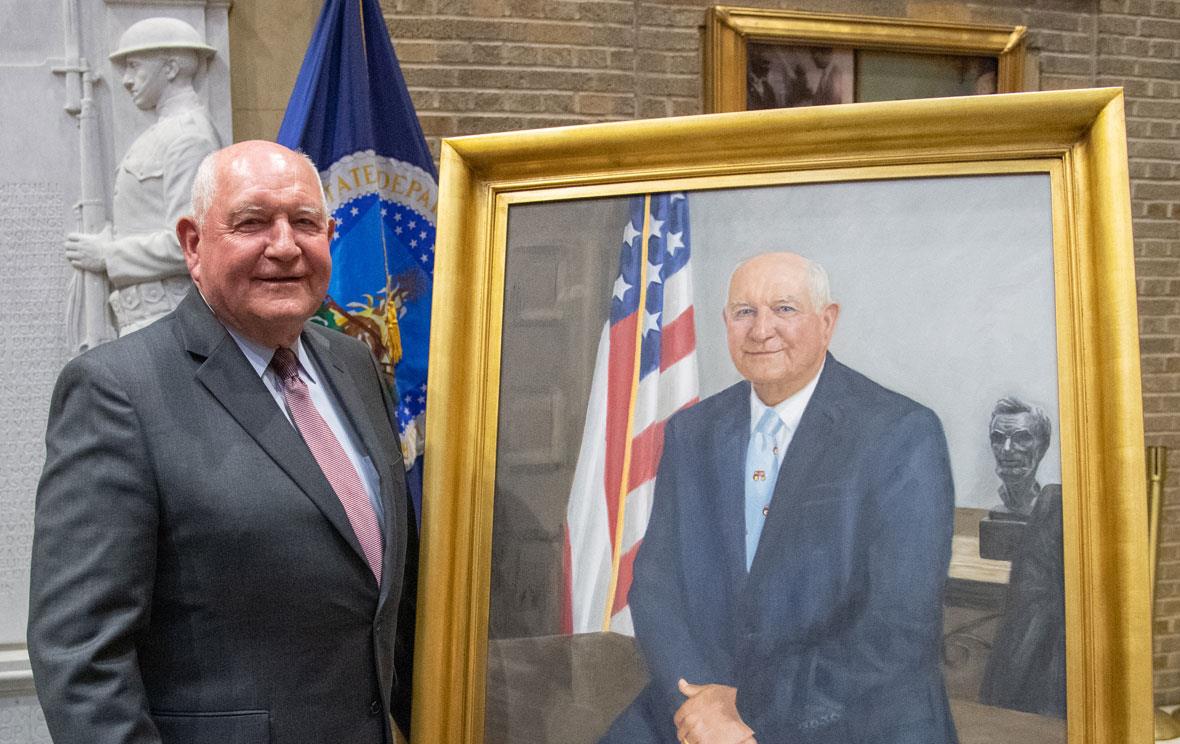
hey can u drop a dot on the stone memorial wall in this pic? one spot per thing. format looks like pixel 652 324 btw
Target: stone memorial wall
pixel 38 185
pixel 43 60
pixel 32 280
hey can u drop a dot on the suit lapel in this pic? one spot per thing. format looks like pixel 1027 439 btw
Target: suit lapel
pixel 817 433
pixel 228 376
pixel 731 437
pixel 360 415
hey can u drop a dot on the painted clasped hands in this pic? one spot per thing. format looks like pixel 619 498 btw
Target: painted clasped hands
pixel 710 716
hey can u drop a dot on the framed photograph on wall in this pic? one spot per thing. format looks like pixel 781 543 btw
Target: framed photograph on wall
pixel 962 539
pixel 758 59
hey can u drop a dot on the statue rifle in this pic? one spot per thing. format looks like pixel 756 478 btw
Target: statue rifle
pixel 89 320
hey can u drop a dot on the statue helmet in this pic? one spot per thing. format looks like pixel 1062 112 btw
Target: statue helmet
pixel 154 34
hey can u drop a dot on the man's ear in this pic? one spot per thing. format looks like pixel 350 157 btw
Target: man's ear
pixel 189 236
pixel 829 315
pixel 171 68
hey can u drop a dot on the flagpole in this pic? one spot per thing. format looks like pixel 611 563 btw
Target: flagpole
pixel 625 478
pixel 393 343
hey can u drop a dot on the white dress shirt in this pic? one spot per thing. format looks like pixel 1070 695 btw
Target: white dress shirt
pixel 259 357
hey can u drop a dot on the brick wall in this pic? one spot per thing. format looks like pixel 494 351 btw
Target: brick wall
pixel 1139 49
pixel 478 66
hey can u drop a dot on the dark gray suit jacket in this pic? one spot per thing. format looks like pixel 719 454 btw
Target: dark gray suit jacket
pixel 834 635
pixel 194 577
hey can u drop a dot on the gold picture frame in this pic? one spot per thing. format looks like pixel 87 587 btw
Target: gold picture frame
pixel 1073 139
pixel 730 30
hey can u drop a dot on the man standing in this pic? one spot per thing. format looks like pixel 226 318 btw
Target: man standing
pixel 139 253
pixel 760 94
pixel 789 585
pixel 223 550
pixel 829 87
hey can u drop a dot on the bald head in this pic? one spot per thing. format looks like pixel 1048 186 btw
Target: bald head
pixel 238 156
pixel 818 285
pixel 779 320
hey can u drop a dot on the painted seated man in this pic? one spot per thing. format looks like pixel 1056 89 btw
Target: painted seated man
pixel 789 586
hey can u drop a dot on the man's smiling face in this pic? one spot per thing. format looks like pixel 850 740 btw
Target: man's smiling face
pixel 261 255
pixel 777 338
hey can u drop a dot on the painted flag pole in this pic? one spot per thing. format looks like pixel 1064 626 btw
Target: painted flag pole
pixel 351 113
pixel 644 373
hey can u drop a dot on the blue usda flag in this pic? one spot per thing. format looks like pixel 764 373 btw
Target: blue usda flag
pixel 351 113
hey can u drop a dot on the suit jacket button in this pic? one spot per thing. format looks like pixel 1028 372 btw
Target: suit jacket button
pixel 375 708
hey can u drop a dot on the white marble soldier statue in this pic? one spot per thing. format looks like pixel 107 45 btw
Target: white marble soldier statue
pixel 139 252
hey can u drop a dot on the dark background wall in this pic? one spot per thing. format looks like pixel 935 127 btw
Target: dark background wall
pixel 477 66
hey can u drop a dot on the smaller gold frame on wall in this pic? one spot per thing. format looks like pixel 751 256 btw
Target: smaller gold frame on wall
pixel 756 58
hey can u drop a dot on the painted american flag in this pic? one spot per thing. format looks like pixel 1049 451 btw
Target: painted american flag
pixel 645 371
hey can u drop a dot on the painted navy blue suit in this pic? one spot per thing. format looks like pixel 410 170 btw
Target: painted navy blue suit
pixel 834 634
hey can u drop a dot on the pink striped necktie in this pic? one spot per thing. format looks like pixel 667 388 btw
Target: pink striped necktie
pixel 332 459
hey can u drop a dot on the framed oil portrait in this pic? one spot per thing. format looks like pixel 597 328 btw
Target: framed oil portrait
pixel 759 58
pixel 954 536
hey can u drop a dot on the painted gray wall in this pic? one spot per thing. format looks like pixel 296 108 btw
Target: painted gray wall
pixel 945 287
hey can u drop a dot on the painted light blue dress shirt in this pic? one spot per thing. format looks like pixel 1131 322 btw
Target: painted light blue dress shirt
pixel 758 495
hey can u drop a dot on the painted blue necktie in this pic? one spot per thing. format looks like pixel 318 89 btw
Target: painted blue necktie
pixel 762 463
